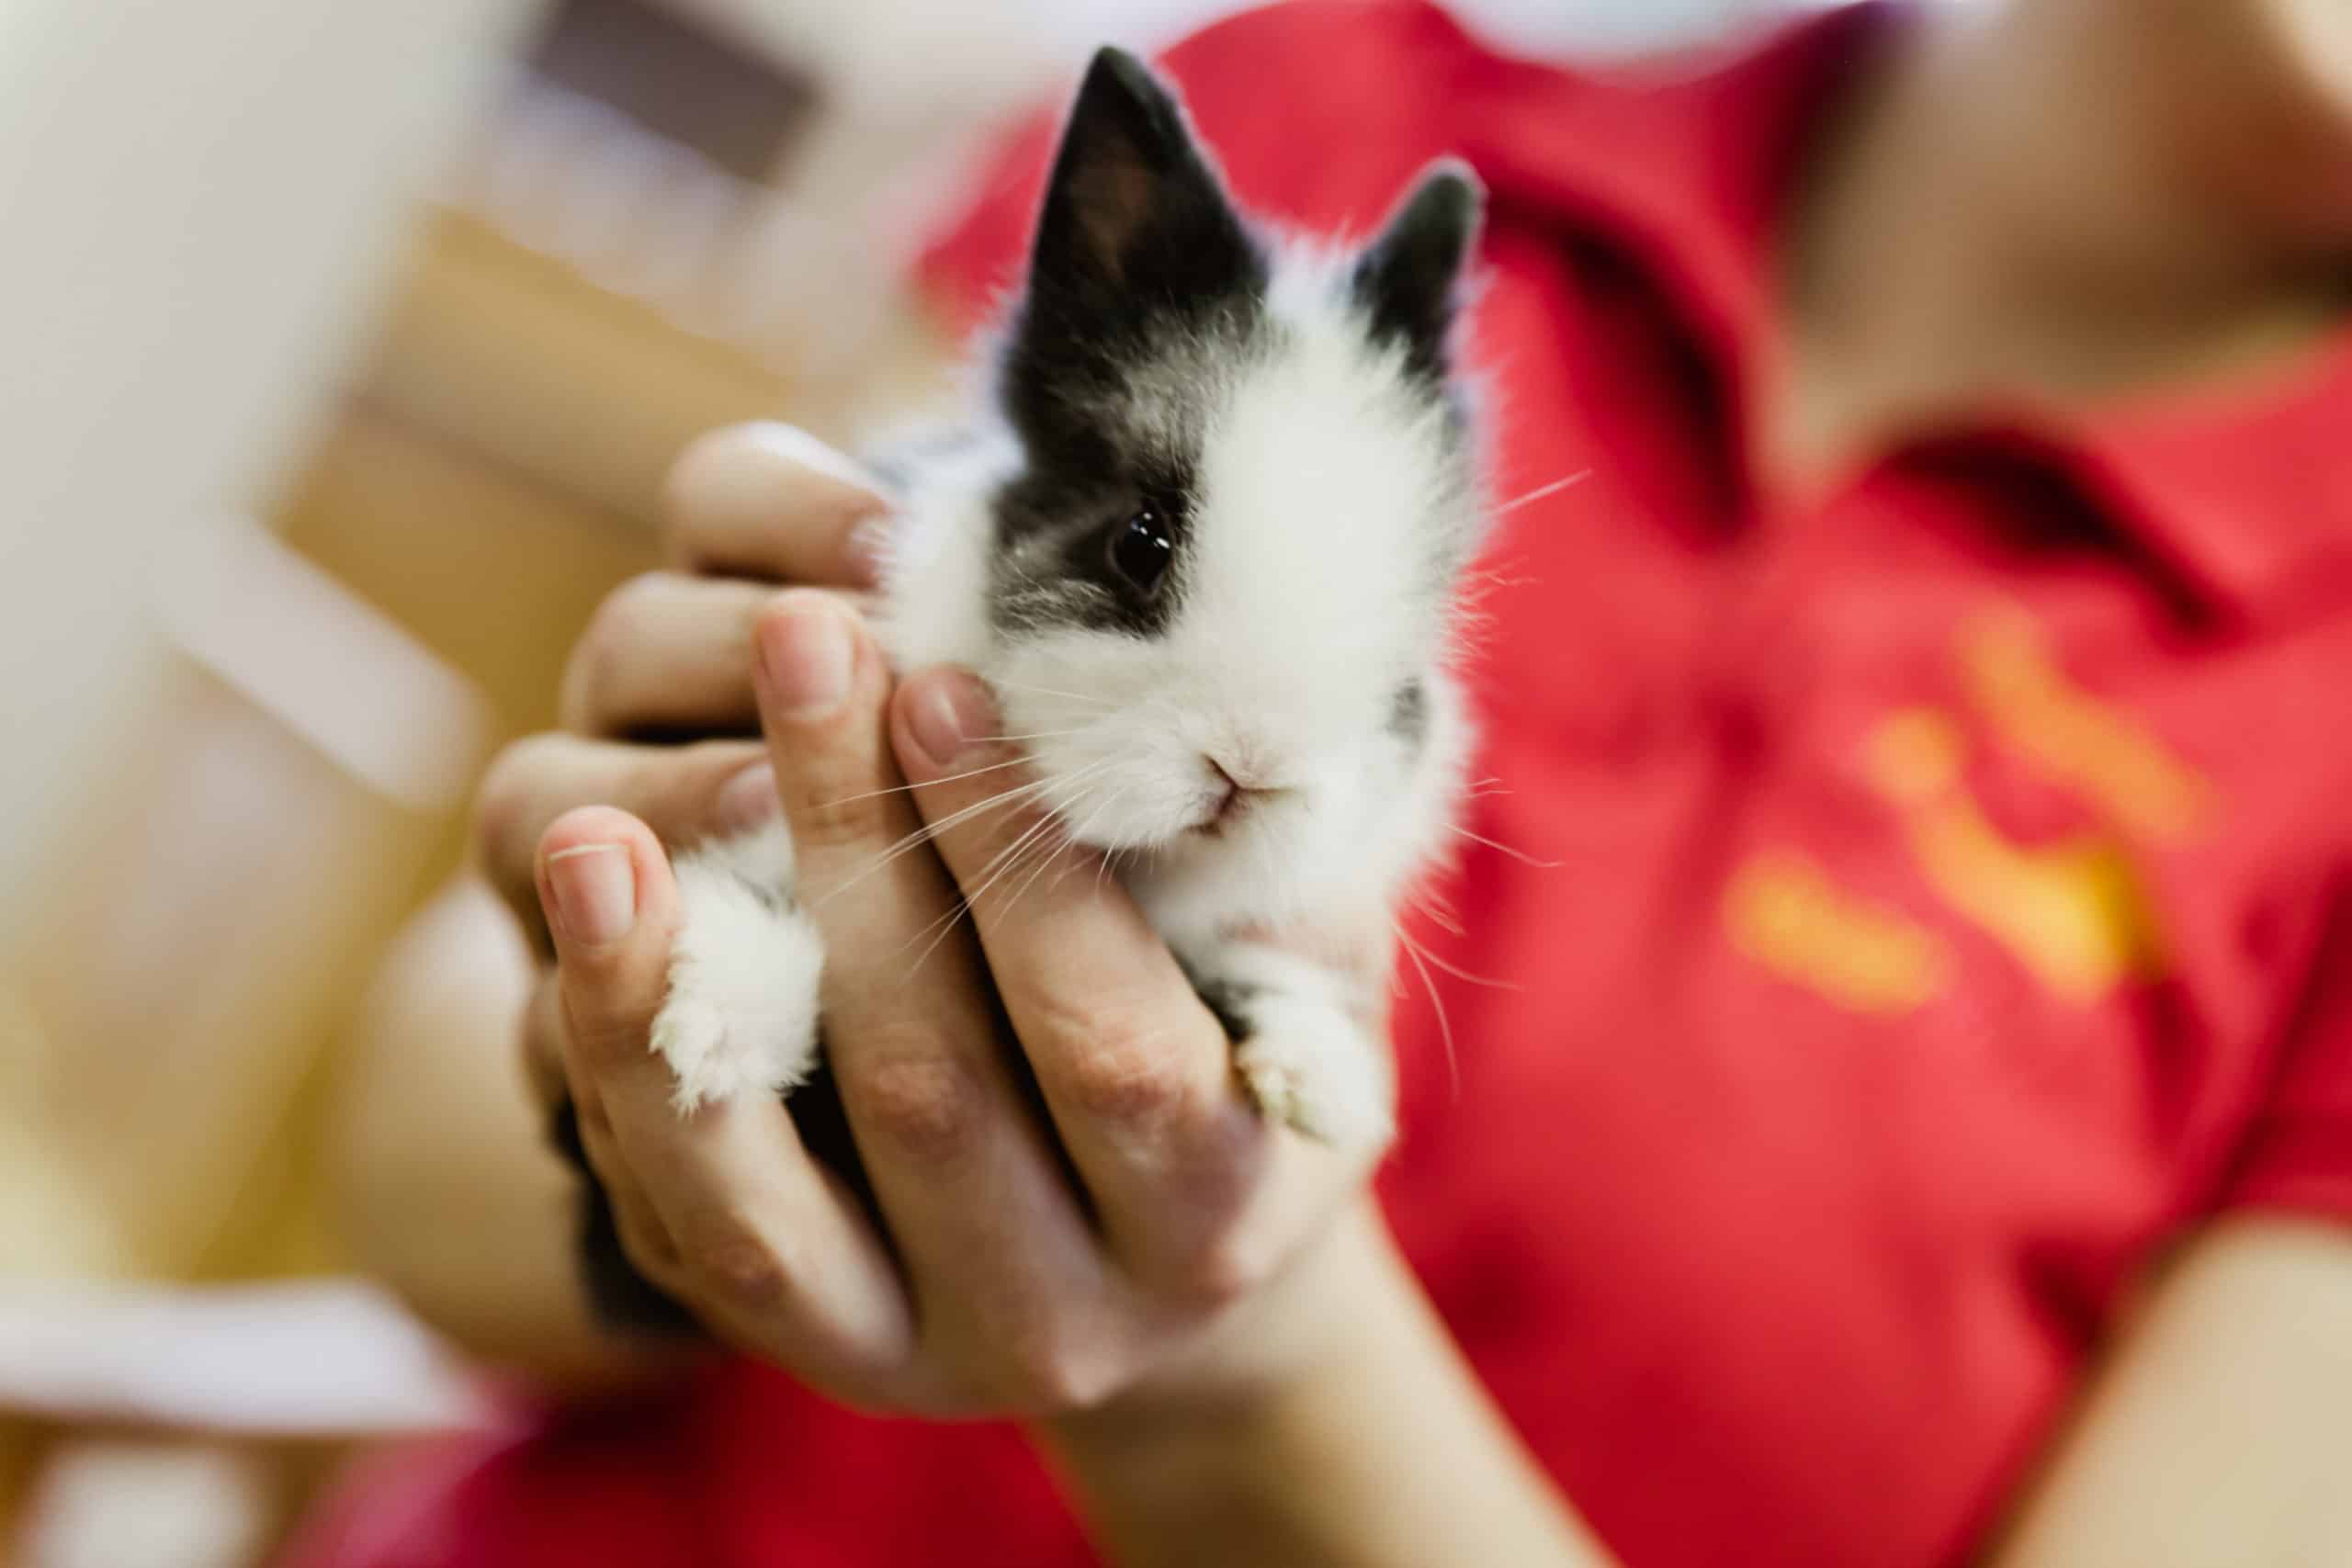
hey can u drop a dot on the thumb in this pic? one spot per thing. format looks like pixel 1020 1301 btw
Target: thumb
pixel 612 909
pixel 611 906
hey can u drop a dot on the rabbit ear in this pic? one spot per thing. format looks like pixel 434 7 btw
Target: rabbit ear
pixel 1134 218
pixel 1407 280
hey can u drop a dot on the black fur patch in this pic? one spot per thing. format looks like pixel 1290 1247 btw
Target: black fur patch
pixel 1136 233
pixel 1053 564
pixel 1146 282
pixel 1407 280
pixel 1408 713
pixel 1138 255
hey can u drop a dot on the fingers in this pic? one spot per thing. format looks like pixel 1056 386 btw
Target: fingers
pixel 744 508
pixel 665 653
pixel 684 794
pixel 668 654
pixel 770 500
pixel 724 1205
pixel 997 1249
pixel 1193 1189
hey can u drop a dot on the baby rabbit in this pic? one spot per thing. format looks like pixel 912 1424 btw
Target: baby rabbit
pixel 1202 539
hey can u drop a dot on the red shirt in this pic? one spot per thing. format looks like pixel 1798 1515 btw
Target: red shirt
pixel 1936 880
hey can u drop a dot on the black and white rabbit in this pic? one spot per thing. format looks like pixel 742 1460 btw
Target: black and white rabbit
pixel 1203 542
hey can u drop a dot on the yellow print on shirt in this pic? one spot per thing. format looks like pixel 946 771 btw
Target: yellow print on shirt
pixel 2072 912
pixel 1784 912
pixel 2070 735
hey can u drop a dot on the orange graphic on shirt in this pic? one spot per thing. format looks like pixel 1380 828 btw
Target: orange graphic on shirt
pixel 1783 911
pixel 2072 912
pixel 2073 738
pixel 2069 911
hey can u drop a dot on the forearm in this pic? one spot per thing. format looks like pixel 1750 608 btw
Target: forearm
pixel 2217 1429
pixel 1382 1450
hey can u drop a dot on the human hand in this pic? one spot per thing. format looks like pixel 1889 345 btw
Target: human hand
pixel 1069 1199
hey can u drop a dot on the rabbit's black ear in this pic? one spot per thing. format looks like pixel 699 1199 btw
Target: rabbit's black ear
pixel 1408 279
pixel 1135 217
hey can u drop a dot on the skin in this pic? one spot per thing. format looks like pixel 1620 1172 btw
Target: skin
pixel 2064 203
pixel 1233 1365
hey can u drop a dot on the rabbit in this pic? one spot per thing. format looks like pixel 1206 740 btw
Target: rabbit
pixel 1203 541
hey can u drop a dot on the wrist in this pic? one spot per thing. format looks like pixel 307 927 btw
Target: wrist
pixel 1341 1426
pixel 1205 1436
pixel 1326 1315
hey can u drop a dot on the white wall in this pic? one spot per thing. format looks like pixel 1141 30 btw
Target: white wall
pixel 197 198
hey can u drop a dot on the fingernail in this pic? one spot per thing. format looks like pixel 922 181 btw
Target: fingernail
pixel 595 893
pixel 747 799
pixel 867 552
pixel 806 654
pixel 950 712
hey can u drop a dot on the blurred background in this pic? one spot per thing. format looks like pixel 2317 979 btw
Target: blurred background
pixel 347 344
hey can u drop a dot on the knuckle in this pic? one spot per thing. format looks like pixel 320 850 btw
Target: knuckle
pixel 680 792
pixel 1119 1064
pixel 1120 1085
pixel 605 1035
pixel 730 1262
pixel 919 1099
pixel 603 1046
pixel 823 817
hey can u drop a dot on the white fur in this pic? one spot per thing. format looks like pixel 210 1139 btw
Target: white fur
pixel 1330 499
pixel 1310 1063
pixel 1302 612
pixel 742 1012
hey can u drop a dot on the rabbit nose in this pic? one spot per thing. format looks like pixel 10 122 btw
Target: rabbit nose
pixel 1224 790
pixel 1234 786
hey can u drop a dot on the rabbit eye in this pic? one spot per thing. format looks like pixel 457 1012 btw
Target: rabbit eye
pixel 1140 549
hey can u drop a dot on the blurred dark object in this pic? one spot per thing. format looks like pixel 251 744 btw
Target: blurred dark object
pixel 678 80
